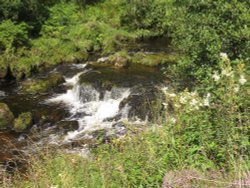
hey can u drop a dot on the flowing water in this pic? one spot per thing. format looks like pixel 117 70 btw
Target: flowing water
pixel 93 103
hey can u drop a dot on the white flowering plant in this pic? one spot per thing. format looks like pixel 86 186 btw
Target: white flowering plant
pixel 213 119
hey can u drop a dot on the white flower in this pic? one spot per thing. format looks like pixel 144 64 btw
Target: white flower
pixel 164 89
pixel 173 120
pixel 230 74
pixel 193 102
pixel 172 95
pixel 193 93
pixel 208 95
pixel 227 73
pixel 216 77
pixel 242 80
pixel 54 186
pixel 183 100
pixel 165 104
pixel 206 102
pixel 177 105
pixel 236 89
pixel 223 56
pixel 224 72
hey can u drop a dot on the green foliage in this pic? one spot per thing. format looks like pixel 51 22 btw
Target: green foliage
pixel 146 16
pixel 204 29
pixel 215 127
pixel 13 36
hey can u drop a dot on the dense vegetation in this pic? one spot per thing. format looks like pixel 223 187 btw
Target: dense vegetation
pixel 204 133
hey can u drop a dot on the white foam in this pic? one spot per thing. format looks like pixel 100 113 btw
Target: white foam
pixel 88 109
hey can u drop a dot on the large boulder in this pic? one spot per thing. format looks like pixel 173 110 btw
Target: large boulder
pixel 34 86
pixel 144 102
pixel 23 122
pixel 6 116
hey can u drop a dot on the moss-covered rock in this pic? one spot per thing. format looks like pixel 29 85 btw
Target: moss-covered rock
pixel 23 122
pixel 120 59
pixel 33 86
pixel 6 116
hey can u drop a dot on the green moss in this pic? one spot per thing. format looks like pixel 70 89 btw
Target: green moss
pixel 120 59
pixel 6 116
pixel 23 122
pixel 34 86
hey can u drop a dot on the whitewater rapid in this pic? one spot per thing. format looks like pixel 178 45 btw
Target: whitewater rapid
pixel 88 108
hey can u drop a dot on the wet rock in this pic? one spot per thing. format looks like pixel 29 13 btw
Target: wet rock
pixel 49 115
pixel 2 94
pixel 23 122
pixel 34 86
pixel 144 102
pixel 6 116
pixel 67 126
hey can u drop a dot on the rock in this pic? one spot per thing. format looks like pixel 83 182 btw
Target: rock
pixel 3 71
pixel 67 125
pixel 23 122
pixel 49 115
pixel 120 59
pixel 6 116
pixel 34 86
pixel 145 103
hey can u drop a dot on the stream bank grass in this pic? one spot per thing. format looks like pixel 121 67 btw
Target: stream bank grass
pixel 152 158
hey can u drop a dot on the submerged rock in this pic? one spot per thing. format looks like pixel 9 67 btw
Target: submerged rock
pixel 67 126
pixel 23 122
pixel 34 86
pixel 6 116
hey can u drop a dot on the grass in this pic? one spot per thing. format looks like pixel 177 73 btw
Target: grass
pixel 145 158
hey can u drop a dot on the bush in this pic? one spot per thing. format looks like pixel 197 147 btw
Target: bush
pixel 204 29
pixel 13 35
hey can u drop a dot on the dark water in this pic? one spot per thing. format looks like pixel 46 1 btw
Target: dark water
pixel 104 95
pixel 45 130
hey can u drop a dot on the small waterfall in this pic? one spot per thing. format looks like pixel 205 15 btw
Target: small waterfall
pixel 92 110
